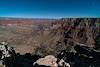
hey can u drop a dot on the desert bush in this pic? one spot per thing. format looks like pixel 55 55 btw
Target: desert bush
pixel 42 50
pixel 47 49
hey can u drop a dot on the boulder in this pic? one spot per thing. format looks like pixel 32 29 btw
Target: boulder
pixel 49 60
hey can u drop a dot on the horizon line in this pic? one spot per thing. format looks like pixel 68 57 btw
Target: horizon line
pixel 47 17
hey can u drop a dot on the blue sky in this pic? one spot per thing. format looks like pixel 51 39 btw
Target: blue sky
pixel 49 8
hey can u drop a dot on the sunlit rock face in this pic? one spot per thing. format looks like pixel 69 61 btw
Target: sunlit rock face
pixel 49 60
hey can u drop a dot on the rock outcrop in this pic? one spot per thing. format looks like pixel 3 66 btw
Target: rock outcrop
pixel 49 60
